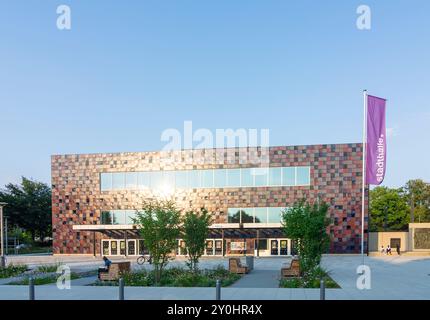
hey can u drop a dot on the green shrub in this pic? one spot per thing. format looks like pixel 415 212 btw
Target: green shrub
pixel 12 271
pixel 177 277
pixel 312 280
pixel 48 268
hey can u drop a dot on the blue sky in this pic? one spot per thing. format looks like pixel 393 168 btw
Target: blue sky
pixel 127 70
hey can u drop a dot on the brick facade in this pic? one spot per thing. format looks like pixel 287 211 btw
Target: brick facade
pixel 336 171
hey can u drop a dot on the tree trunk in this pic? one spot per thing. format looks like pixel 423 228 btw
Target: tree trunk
pixel 412 209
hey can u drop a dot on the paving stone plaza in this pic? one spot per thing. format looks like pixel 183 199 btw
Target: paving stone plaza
pixel 393 277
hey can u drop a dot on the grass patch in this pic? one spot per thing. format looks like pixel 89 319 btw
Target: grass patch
pixel 12 271
pixel 177 277
pixel 33 250
pixel 48 268
pixel 39 281
pixel 312 281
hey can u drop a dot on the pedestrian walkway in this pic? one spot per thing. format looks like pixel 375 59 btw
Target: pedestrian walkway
pixel 259 279
pixel 396 277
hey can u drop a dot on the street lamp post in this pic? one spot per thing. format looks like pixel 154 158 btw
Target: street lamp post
pixel 3 260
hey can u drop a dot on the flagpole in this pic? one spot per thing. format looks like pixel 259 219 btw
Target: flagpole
pixel 364 172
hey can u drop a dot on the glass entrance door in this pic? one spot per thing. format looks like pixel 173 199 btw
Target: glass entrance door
pixel 284 247
pixel 218 247
pixel 209 247
pixel 131 247
pixel 113 248
pixel 105 247
pixel 122 249
pixel 274 247
pixel 293 248
pixel 182 248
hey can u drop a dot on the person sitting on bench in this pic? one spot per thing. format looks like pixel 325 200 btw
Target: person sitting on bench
pixel 107 263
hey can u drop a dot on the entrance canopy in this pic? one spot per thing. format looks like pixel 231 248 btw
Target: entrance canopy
pixel 228 230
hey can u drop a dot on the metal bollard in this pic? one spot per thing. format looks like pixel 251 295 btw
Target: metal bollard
pixel 121 289
pixel 31 289
pixel 322 289
pixel 218 290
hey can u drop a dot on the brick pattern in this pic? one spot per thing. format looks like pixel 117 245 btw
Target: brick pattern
pixel 336 171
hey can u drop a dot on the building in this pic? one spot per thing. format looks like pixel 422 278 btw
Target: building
pixel 94 196
pixel 414 241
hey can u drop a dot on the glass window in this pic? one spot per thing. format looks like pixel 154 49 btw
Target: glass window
pixel 169 180
pixel 274 215
pixel 247 215
pixel 144 180
pixel 303 178
pixel 118 180
pixel 129 216
pixel 247 178
pixel 118 217
pixel 207 178
pixel 194 179
pixel 181 179
pixel 261 244
pixel 114 247
pixel 220 178
pixel 288 176
pixel 106 217
pixel 260 215
pixel 105 248
pixel 260 175
pixel 157 180
pixel 233 215
pixel 233 178
pixel 131 180
pixel 275 176
pixel 106 181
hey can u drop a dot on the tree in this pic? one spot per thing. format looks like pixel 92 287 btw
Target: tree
pixel 159 223
pixel 29 207
pixel 196 230
pixel 417 193
pixel 307 225
pixel 388 209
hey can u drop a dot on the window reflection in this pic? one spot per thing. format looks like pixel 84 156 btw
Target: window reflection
pixel 233 215
pixel 274 215
pixel 131 180
pixel 247 215
pixel 260 215
pixel 144 180
pixel 118 180
pixel 208 178
pixel 194 179
pixel 275 176
pixel 233 178
pixel 181 179
pixel 260 176
pixel 220 178
pixel 106 181
pixel 247 178
pixel 288 176
pixel 302 176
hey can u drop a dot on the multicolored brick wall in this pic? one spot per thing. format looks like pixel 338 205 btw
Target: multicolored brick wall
pixel 336 171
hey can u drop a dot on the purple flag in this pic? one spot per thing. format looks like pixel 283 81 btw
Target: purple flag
pixel 376 148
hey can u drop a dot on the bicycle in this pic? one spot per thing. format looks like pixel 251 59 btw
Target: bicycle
pixel 144 258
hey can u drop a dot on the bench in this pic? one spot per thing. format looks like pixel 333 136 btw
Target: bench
pixel 115 270
pixel 293 270
pixel 235 266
